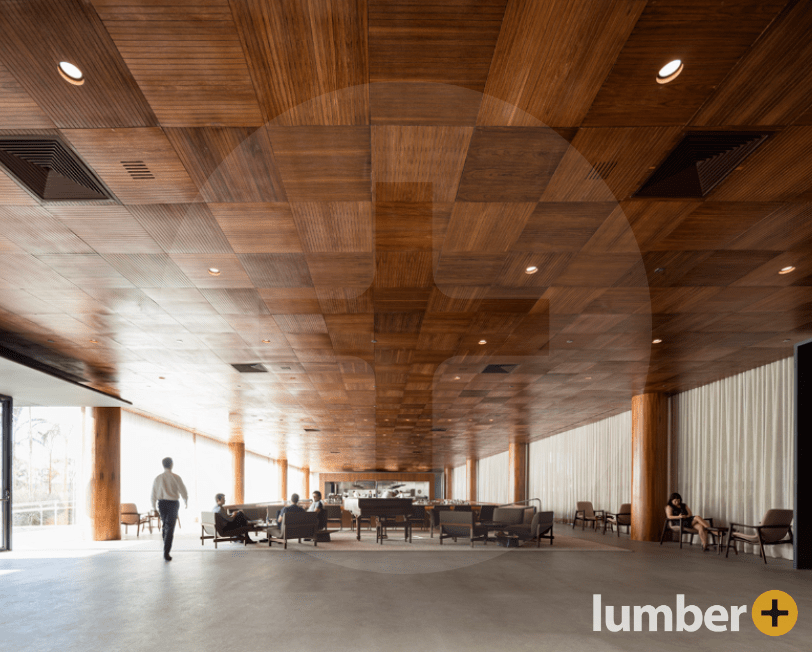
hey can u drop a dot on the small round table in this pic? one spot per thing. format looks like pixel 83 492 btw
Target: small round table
pixel 719 534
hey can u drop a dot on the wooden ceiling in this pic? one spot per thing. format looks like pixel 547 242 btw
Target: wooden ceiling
pixel 372 178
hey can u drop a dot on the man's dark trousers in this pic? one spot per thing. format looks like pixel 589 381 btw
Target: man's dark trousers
pixel 168 509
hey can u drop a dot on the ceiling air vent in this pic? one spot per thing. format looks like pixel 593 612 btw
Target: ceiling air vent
pixel 255 368
pixel 49 170
pixel 137 170
pixel 312 430
pixel 499 368
pixel 700 163
pixel 439 429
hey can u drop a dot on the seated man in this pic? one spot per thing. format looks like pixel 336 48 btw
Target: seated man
pixel 318 506
pixel 293 507
pixel 235 521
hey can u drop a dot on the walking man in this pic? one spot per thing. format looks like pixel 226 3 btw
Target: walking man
pixel 167 489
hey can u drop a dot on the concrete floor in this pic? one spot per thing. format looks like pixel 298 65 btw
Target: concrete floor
pixel 123 596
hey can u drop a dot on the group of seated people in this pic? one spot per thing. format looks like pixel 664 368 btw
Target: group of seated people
pixel 237 520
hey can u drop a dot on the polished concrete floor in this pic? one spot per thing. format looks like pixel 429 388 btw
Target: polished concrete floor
pixel 123 596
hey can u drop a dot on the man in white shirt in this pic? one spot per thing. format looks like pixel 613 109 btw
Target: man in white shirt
pixel 167 489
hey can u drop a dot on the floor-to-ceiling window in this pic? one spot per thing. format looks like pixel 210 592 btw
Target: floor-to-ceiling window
pixel 5 473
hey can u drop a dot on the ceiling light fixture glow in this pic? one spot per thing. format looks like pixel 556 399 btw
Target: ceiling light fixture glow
pixel 483 341
pixel 787 269
pixel 656 341
pixel 670 71
pixel 214 271
pixel 71 73
pixel 266 341
pixel 531 270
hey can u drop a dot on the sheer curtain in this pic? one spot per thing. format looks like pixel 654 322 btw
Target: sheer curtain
pixel 261 479
pixel 492 484
pixel 459 483
pixel 296 482
pixel 735 446
pixel 591 463
pixel 215 474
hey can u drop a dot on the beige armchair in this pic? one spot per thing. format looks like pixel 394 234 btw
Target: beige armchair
pixel 129 515
pixel 586 514
pixel 774 529
pixel 622 517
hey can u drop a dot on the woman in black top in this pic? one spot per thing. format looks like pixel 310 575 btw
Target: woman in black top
pixel 677 511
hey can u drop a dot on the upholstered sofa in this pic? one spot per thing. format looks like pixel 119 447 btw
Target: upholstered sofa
pixel 257 511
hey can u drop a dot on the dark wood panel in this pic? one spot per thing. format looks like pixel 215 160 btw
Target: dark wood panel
pixel 18 110
pixel 36 36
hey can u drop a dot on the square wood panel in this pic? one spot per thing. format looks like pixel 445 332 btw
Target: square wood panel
pixel 107 229
pixel 258 228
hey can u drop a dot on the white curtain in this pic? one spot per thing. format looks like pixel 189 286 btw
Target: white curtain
pixel 296 482
pixel 492 483
pixel 215 474
pixel 314 484
pixel 735 446
pixel 144 443
pixel 261 479
pixel 459 483
pixel 589 463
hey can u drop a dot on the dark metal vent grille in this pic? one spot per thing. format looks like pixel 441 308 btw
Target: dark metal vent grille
pixel 700 163
pixel 499 368
pixel 439 429
pixel 601 170
pixel 255 368
pixel 49 170
pixel 312 430
pixel 137 170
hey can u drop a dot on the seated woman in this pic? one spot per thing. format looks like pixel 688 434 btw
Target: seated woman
pixel 318 506
pixel 677 511
pixel 235 521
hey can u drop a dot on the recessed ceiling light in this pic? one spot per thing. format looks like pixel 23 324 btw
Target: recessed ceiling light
pixel 483 341
pixel 71 73
pixel 94 341
pixel 588 378
pixel 787 269
pixel 531 270
pixel 656 341
pixel 214 271
pixel 670 71
pixel 456 377
pixel 787 340
pixel 569 341
pixel 266 341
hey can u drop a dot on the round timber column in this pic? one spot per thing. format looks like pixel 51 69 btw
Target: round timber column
pixel 517 455
pixel 306 474
pixel 283 478
pixel 237 449
pixel 448 479
pixel 649 465
pixel 470 469
pixel 106 481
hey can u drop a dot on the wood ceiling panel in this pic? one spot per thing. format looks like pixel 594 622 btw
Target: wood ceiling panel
pixel 277 270
pixel 725 267
pixel 562 227
pixel 334 227
pixel 323 163
pixel 415 103
pixel 148 270
pixel 788 227
pixel 233 164
pixel 780 170
pixel 196 268
pixel 510 164
pixel 402 226
pixel 86 270
pixel 586 267
pixel 411 269
pixel 300 323
pixel 107 229
pixel 37 232
pixel 11 194
pixel 235 301
pixel 542 72
pixel 677 29
pixel 344 300
pixel 258 228
pixel 772 83
pixel 605 165
pixel 308 59
pixel 419 155
pixel 290 301
pixel 446 42
pixel 106 151
pixel 485 228
pixel 453 270
pixel 18 110
pixel 183 228
pixel 354 271
pixel 193 43
pixel 35 36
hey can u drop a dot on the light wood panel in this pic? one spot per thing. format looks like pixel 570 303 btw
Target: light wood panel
pixel 237 450
pixel 649 465
pixel 194 43
pixel 105 502
pixel 18 110
pixel 253 228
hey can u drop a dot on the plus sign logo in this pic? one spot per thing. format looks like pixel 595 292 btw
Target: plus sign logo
pixel 775 613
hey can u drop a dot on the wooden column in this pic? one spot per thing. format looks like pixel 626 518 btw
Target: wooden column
pixel 283 478
pixel 448 479
pixel 237 449
pixel 518 471
pixel 470 468
pixel 306 473
pixel 649 465
pixel 105 502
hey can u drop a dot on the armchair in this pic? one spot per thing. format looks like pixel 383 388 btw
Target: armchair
pixel 772 531
pixel 129 515
pixel 585 513
pixel 460 525
pixel 295 525
pixel 213 526
pixel 623 517
pixel 681 529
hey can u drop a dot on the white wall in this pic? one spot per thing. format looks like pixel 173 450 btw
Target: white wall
pixel 734 443
pixel 591 463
